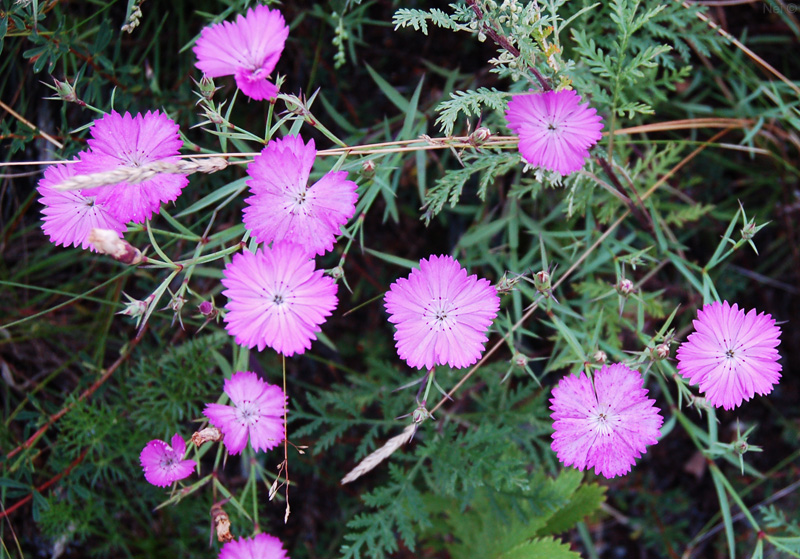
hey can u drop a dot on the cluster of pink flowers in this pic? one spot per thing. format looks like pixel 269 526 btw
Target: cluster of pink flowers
pixel 256 415
pixel 115 141
pixel 278 299
pixel 607 421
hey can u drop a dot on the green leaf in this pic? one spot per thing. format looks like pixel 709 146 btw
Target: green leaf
pixel 545 548
pixel 586 500
pixel 3 31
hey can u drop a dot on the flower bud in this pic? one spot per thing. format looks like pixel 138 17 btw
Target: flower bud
pixel 213 116
pixel 599 356
pixel 479 136
pixel 66 92
pixel 295 105
pixel 336 272
pixel 421 414
pixel 749 230
pixel 368 169
pixel 135 308
pixel 206 87
pixel 106 241
pixel 661 351
pixel 208 310
pixel 519 359
pixel 176 305
pixel 625 286
pixel 542 282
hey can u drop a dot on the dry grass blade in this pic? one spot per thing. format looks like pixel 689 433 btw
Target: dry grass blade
pixel 370 462
pixel 135 175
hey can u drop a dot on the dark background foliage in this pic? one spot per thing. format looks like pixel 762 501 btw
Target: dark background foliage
pixel 58 330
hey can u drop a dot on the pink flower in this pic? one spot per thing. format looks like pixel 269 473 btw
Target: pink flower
pixel 555 131
pixel 731 355
pixel 70 216
pixel 276 298
pixel 164 464
pixel 606 425
pixel 261 546
pixel 257 411
pixel 126 141
pixel 285 207
pixel 249 49
pixel 441 314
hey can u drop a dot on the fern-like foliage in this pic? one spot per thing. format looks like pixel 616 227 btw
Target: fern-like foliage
pixel 468 103
pixel 418 19
pixel 448 188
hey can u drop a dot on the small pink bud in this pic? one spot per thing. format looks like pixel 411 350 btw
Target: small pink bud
pixel 661 351
pixel 207 309
pixel 625 286
pixel 480 136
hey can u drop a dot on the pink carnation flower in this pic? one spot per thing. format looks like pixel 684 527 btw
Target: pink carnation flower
pixel 261 546
pixel 285 207
pixel 249 49
pixel 441 314
pixel 164 464
pixel 606 425
pixel 126 141
pixel 276 298
pixel 257 411
pixel 555 130
pixel 731 355
pixel 70 216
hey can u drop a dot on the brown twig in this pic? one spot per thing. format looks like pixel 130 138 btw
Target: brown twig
pixel 45 485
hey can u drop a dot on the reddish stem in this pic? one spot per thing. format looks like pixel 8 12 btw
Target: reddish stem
pixel 45 485
pixel 85 394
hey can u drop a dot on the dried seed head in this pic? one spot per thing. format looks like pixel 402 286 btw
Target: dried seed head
pixel 600 356
pixel 208 435
pixel 106 241
pixel 368 169
pixel 222 523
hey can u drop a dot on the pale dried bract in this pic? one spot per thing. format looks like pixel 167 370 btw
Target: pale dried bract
pixel 370 462
pixel 136 175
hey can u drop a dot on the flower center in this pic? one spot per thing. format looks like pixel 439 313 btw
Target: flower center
pixel 604 422
pixel 167 462
pixel 247 413
pixel 440 314
pixel 730 354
